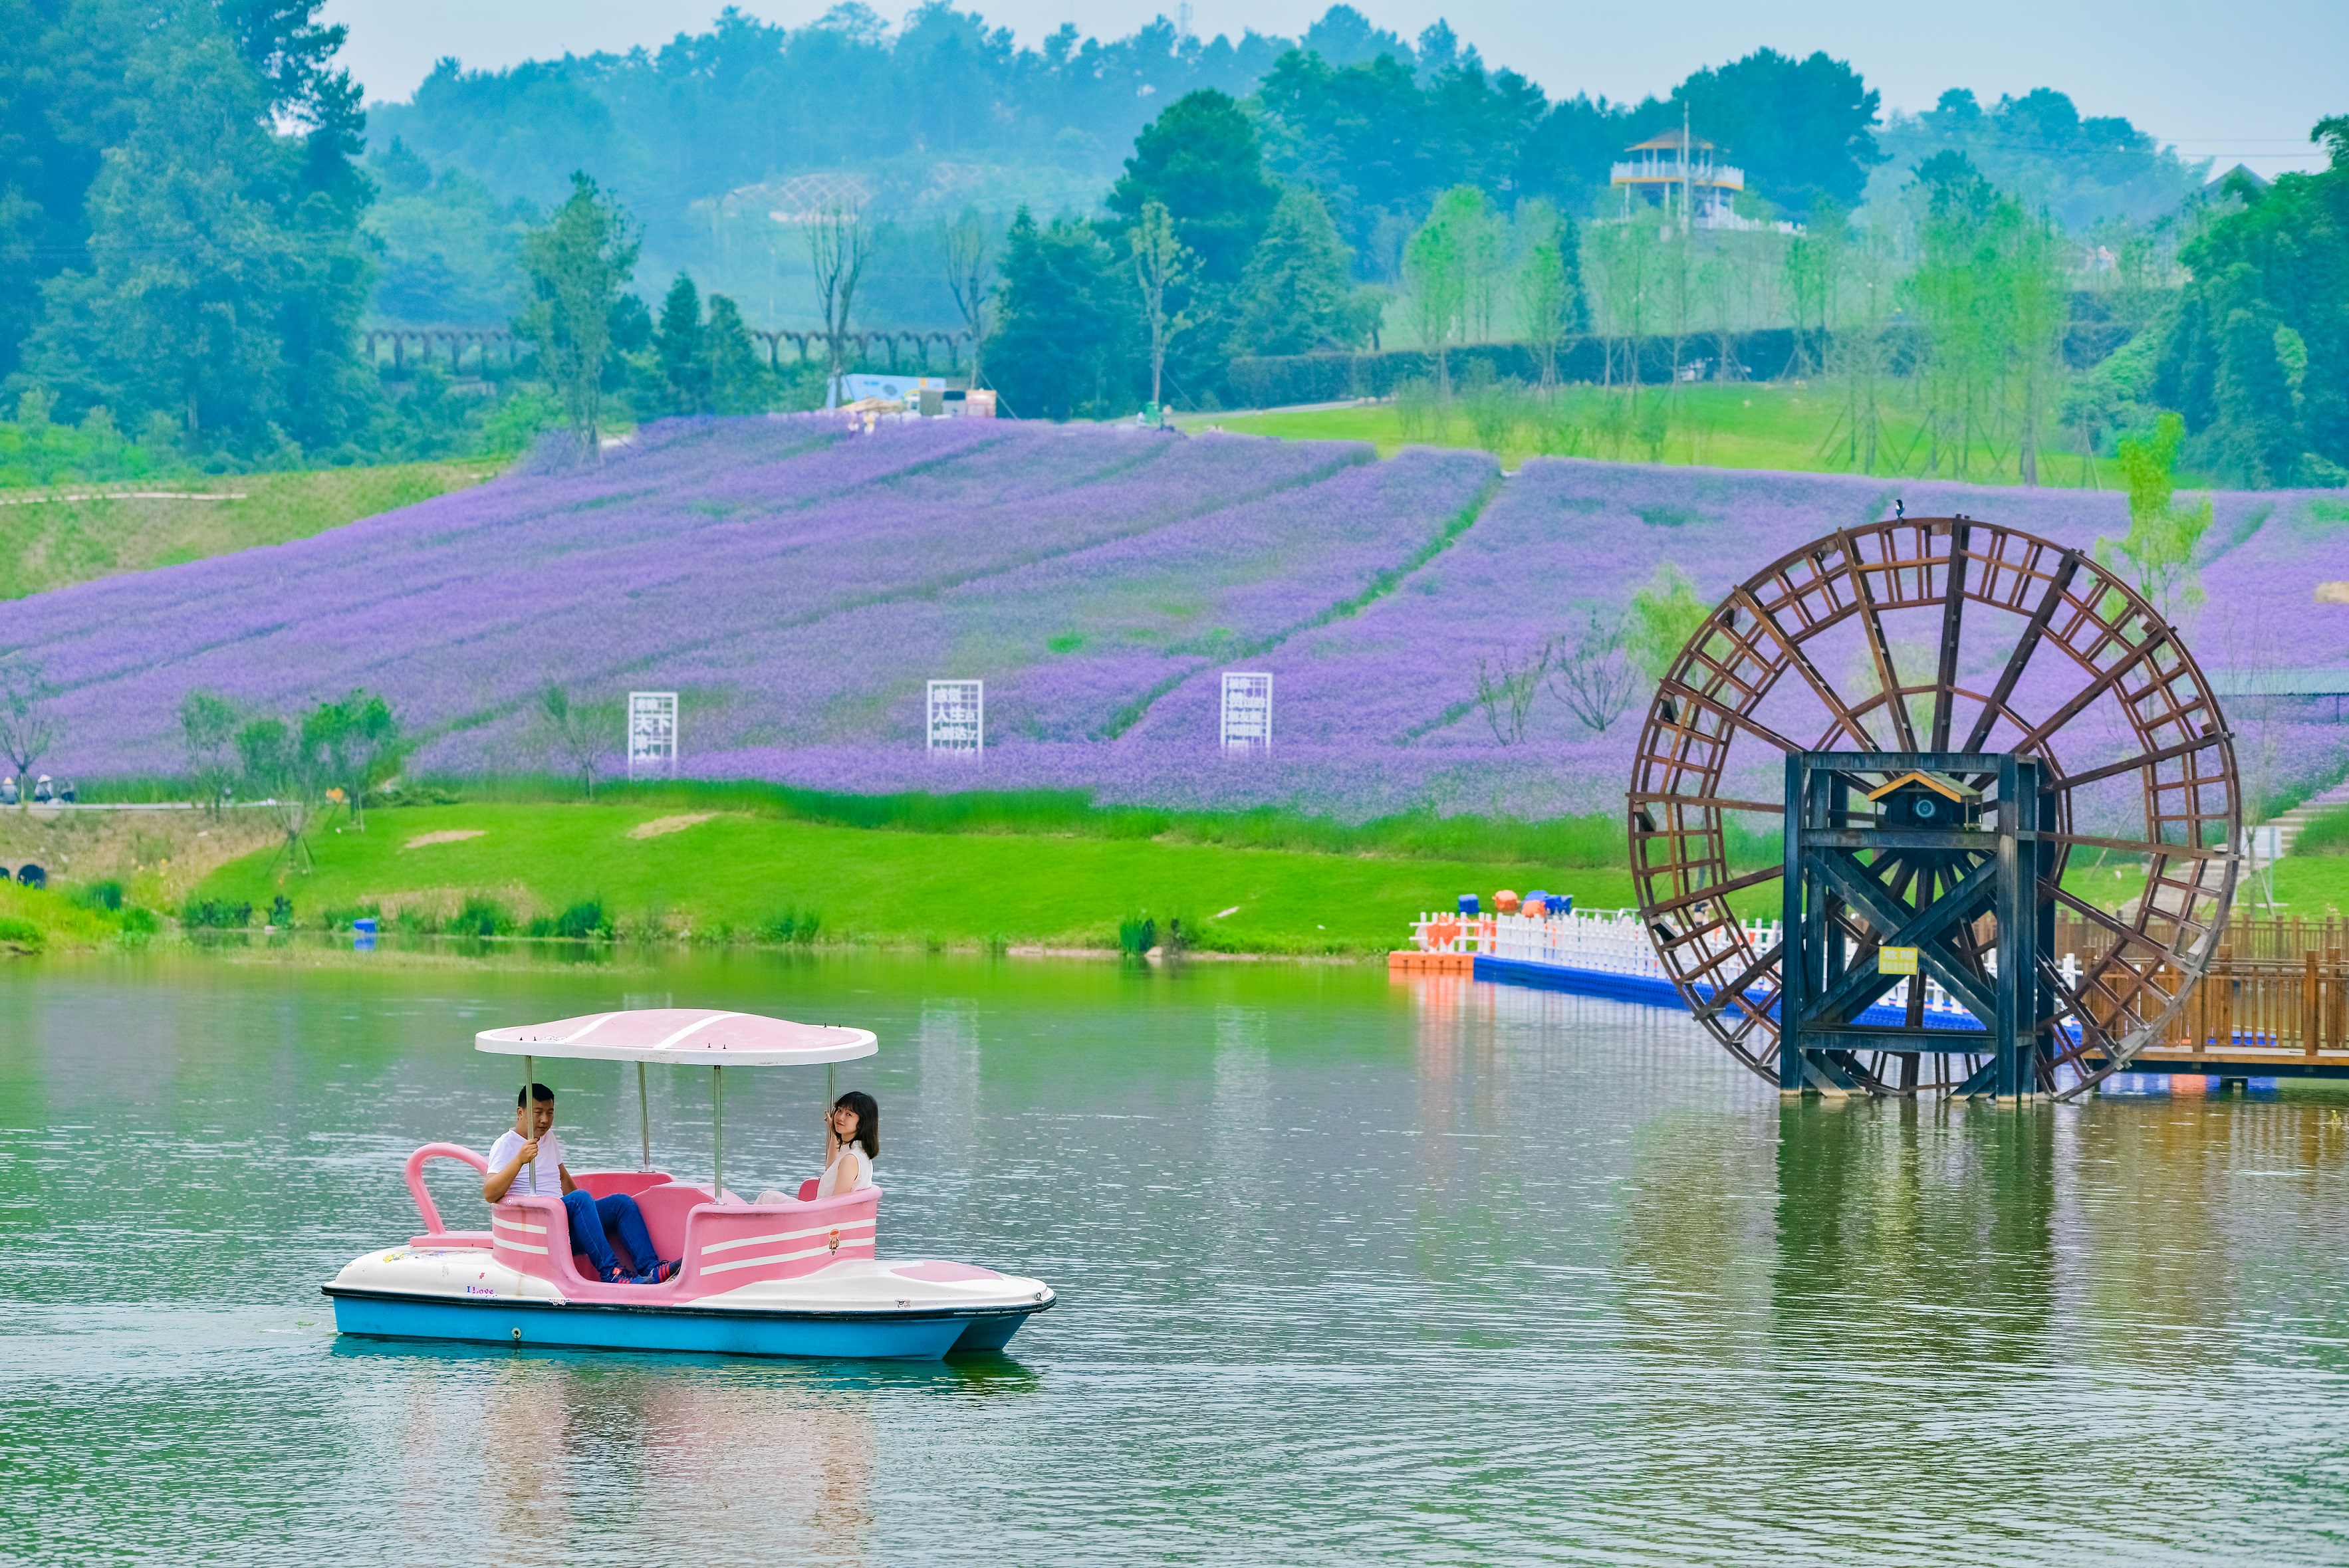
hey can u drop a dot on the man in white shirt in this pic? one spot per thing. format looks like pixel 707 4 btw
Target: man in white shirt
pixel 528 1160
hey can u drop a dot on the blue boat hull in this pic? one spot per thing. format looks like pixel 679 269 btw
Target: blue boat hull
pixel 709 1331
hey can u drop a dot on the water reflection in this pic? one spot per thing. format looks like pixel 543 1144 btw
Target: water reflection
pixel 538 1456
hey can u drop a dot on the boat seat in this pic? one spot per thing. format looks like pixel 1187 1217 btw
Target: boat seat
pixel 664 1208
pixel 603 1183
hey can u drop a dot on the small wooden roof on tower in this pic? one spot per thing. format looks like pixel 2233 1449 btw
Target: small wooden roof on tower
pixel 1950 787
pixel 1668 142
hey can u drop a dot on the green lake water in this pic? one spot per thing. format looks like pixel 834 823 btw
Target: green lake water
pixel 1350 1272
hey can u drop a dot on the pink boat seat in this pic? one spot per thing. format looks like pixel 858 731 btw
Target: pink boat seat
pixel 665 1208
pixel 603 1183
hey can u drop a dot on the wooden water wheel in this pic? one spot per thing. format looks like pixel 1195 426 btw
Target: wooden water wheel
pixel 1944 636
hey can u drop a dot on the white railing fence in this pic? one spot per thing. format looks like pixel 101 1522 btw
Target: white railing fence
pixel 1613 942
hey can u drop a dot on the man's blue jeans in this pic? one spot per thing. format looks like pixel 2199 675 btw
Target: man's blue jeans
pixel 591 1217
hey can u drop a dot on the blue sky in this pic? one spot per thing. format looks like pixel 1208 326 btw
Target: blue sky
pixel 2240 83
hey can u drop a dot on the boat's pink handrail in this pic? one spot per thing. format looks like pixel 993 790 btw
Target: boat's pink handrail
pixel 416 1190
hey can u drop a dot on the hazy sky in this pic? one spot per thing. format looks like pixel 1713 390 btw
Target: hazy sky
pixel 2241 82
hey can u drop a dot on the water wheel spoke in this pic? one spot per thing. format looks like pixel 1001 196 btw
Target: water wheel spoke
pixel 1871 622
pixel 1727 715
pixel 2037 735
pixel 2023 648
pixel 1953 611
pixel 1706 802
pixel 1845 718
pixel 1716 890
pixel 2144 759
pixel 1735 990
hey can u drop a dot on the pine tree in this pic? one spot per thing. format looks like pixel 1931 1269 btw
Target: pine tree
pixel 679 353
pixel 738 382
pixel 1296 294
pixel 1070 330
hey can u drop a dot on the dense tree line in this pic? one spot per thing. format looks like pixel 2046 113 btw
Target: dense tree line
pixel 179 227
pixel 191 239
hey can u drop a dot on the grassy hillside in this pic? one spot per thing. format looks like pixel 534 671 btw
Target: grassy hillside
pixel 70 534
pixel 735 875
pixel 1797 427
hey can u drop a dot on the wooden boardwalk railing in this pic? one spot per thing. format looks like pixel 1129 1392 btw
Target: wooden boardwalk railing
pixel 2277 994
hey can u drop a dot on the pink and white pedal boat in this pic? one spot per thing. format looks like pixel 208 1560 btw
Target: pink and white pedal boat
pixel 798 1277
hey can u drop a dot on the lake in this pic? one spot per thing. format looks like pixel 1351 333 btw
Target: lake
pixel 1349 1271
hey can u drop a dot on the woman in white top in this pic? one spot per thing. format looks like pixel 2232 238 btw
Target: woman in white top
pixel 852 1141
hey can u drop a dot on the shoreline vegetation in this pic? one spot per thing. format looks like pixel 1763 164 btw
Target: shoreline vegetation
pixel 514 863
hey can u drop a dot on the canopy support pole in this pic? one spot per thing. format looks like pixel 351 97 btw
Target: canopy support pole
pixel 530 1117
pixel 718 1123
pixel 644 1118
pixel 830 1098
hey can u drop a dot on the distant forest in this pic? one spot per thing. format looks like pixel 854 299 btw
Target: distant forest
pixel 214 254
pixel 706 137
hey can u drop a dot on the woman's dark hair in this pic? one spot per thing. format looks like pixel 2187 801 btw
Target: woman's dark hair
pixel 868 1119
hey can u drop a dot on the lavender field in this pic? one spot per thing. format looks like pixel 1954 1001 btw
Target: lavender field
pixel 797 584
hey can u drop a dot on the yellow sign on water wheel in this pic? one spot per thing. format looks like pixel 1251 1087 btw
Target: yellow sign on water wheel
pixel 1896 961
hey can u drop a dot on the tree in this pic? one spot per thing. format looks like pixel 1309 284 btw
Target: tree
pixel 29 725
pixel 1815 267
pixel 738 382
pixel 1160 264
pixel 1294 297
pixel 680 354
pixel 968 246
pixel 2036 297
pixel 575 265
pixel 1665 614
pixel 2163 532
pixel 1621 258
pixel 840 243
pixel 581 732
pixel 1439 263
pixel 1594 681
pixel 225 277
pixel 1799 127
pixel 1955 294
pixel 286 769
pixel 207 724
pixel 1858 349
pixel 1200 160
pixel 1548 291
pixel 1070 322
pixel 357 740
pixel 1506 685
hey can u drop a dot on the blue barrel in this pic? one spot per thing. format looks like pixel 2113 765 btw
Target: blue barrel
pixel 1468 903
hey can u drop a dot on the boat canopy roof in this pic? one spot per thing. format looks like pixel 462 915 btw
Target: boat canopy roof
pixel 683 1037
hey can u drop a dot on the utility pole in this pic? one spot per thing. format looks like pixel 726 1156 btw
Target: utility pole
pixel 1687 188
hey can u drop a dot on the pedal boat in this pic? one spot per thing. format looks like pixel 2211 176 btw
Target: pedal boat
pixel 799 1277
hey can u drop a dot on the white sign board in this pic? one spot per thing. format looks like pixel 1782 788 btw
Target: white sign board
pixel 1247 712
pixel 958 716
pixel 652 734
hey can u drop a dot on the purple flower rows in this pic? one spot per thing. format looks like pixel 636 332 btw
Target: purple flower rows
pixel 709 535
pixel 797 584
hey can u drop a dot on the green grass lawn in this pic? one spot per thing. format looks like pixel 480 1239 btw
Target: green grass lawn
pixel 54 542
pixel 733 873
pixel 1760 424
